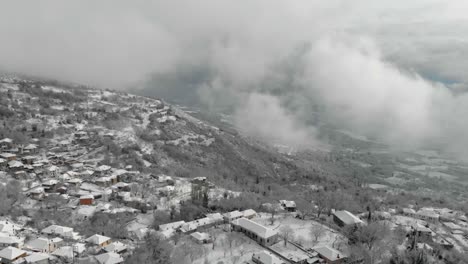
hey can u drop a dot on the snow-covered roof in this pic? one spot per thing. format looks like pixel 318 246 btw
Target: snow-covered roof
pixel 249 213
pixel 9 240
pixel 409 211
pixel 88 196
pixel 6 140
pixel 200 236
pixel 15 164
pixel 74 180
pixel 266 257
pixel 288 204
pixel 120 185
pixel 215 216
pixel 97 239
pixel 65 252
pixel 79 247
pixel 57 230
pixel 103 168
pixel 53 168
pixel 258 229
pixel 36 257
pixel 421 228
pixel 7 155
pixel 173 225
pixel 329 253
pixel 30 147
pixel 109 258
pixel 11 253
pixel 8 227
pixel 427 213
pixel 348 218
pixel 233 214
pixel 115 247
pixel 50 182
pixel 119 172
pixel 193 225
pixel 38 244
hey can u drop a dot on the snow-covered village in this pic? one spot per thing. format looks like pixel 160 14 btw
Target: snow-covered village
pixel 93 176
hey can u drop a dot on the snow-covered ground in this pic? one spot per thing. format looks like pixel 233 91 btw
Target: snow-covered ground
pixel 230 248
pixel 302 230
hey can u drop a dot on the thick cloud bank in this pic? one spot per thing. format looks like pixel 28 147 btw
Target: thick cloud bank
pixel 391 69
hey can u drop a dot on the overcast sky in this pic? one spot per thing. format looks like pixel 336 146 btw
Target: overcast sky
pixel 377 60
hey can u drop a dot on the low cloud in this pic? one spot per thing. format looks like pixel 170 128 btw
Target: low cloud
pixel 264 117
pixel 390 69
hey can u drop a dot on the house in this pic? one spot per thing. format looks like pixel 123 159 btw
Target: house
pixel 11 254
pixel 6 143
pixel 454 228
pixel 37 192
pixel 409 212
pixel 263 235
pixel 168 230
pixel 249 213
pixel 57 230
pixel 122 186
pixel 345 218
pixel 103 169
pixel 231 216
pixel 15 165
pixel 117 247
pixel 169 226
pixel 8 227
pixel 330 255
pixel 196 224
pixel 427 215
pixel 64 253
pixel 31 148
pixel 289 206
pixel 423 233
pixel 99 240
pixel 86 199
pixel 74 181
pixel 29 159
pixel 8 156
pixel 49 185
pixel 57 241
pixel 53 171
pixel 442 242
pixel 106 181
pixel 109 258
pixel 216 218
pixel 10 241
pixel 41 244
pixel 165 179
pixel 37 258
pixel 266 257
pixel 201 238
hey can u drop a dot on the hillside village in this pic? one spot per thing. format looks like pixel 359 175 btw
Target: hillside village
pixel 94 176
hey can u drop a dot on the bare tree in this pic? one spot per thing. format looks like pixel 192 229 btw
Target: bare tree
pixel 272 217
pixel 316 231
pixel 286 232
pixel 191 250
pixel 321 204
pixel 306 208
pixel 233 240
pixel 213 237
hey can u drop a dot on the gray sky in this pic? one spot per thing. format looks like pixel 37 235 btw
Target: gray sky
pixel 370 59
